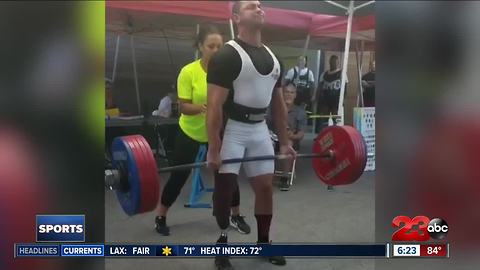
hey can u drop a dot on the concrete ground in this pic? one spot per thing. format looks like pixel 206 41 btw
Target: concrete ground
pixel 307 213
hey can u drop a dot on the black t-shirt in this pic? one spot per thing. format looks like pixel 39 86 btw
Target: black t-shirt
pixel 222 74
pixel 369 92
pixel 370 78
pixel 332 81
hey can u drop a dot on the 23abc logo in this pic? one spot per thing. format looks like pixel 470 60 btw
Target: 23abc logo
pixel 420 228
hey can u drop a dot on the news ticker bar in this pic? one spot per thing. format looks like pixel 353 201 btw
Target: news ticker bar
pixel 301 250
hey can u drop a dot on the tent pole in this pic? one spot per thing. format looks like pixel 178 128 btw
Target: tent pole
pixel 341 109
pixel 197 32
pixel 305 47
pixel 232 33
pixel 337 4
pixel 364 5
pixel 362 47
pixel 359 70
pixel 134 62
pixel 316 90
pixel 115 59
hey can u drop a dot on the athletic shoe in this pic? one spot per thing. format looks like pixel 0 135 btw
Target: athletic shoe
pixel 277 260
pixel 284 184
pixel 161 226
pixel 223 262
pixel 238 222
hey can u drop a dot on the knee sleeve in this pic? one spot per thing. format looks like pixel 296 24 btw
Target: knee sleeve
pixel 236 195
pixel 222 198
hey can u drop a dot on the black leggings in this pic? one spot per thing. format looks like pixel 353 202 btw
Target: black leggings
pixel 185 151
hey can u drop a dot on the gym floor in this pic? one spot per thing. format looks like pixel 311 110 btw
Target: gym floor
pixel 307 213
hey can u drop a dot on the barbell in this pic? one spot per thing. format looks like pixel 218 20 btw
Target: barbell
pixel 338 158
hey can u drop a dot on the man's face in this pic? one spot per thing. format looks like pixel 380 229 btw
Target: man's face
pixel 289 94
pixel 301 62
pixel 250 14
pixel 333 63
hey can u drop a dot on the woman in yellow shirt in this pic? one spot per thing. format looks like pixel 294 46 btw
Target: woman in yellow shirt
pixel 192 97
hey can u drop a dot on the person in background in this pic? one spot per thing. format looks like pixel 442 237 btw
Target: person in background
pixel 165 106
pixel 302 78
pixel 329 85
pixel 297 123
pixel 368 84
pixel 329 92
pixel 192 98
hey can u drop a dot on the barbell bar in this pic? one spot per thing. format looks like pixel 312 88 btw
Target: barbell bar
pixel 338 158
pixel 328 154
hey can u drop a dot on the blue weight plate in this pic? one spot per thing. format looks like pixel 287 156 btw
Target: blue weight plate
pixel 122 155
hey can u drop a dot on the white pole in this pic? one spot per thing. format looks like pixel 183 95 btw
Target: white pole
pixel 364 5
pixel 341 119
pixel 316 90
pixel 115 59
pixel 362 49
pixel 197 32
pixel 134 62
pixel 359 70
pixel 232 32
pixel 305 47
pixel 337 4
pixel 361 64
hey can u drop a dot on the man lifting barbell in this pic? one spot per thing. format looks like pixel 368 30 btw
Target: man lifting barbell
pixel 242 77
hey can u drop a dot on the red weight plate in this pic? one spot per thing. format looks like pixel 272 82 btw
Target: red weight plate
pixel 362 153
pixel 360 150
pixel 356 164
pixel 140 163
pixel 148 185
pixel 359 153
pixel 151 177
pixel 343 168
pixel 145 183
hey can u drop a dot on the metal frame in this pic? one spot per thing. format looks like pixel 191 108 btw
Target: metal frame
pixel 359 69
pixel 305 47
pixel 341 109
pixel 197 32
pixel 134 63
pixel 232 32
pixel 115 59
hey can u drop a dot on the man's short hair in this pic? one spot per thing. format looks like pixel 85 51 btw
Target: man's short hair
pixel 290 84
pixel 236 7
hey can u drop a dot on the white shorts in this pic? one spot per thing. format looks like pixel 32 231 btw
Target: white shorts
pixel 246 140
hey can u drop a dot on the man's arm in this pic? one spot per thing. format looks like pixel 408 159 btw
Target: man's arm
pixel 311 85
pixel 317 91
pixel 216 97
pixel 288 77
pixel 279 115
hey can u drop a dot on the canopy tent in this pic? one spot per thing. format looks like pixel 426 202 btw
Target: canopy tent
pixel 179 20
pixel 281 25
